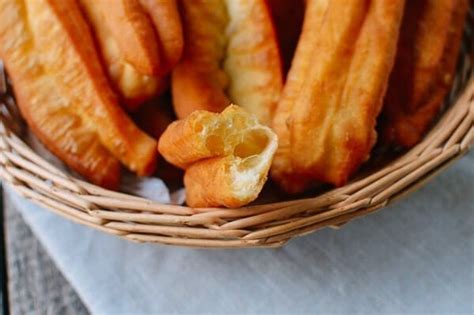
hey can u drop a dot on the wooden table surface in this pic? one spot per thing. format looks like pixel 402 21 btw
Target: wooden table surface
pixel 34 284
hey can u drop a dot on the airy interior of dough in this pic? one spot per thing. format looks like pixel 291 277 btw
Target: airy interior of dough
pixel 250 145
pixel 253 157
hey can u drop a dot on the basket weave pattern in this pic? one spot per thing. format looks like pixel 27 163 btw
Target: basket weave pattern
pixel 269 225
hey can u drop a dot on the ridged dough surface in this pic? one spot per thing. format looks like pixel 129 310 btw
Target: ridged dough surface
pixel 63 93
pixel 327 114
pixel 424 70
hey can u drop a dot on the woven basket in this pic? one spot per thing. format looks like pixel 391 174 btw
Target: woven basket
pixel 268 225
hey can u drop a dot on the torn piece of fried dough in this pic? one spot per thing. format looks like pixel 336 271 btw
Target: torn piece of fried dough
pixel 326 117
pixel 226 156
pixel 231 54
pixel 62 90
pixel 429 44
pixel 137 52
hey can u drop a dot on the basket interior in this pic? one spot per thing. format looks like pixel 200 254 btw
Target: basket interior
pixel 273 219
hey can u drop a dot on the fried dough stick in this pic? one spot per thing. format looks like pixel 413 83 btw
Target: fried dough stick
pixel 48 112
pixel 424 68
pixel 167 22
pixel 63 93
pixel 231 54
pixel 140 42
pixel 198 81
pixel 282 170
pixel 326 117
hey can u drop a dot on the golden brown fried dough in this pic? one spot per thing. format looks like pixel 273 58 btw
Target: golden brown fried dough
pixel 50 56
pixel 133 32
pixel 140 42
pixel 48 112
pixel 194 138
pixel 198 81
pixel 226 156
pixel 134 86
pixel 253 62
pixel 231 54
pixel 165 17
pixel 326 117
pixel 424 69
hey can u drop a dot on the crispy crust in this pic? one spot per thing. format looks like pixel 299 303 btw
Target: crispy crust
pixel 60 45
pixel 165 17
pixel 134 34
pixel 210 175
pixel 326 117
pixel 68 137
pixel 184 141
pixel 253 62
pixel 282 170
pixel 133 86
pixel 197 90
pixel 226 156
pixel 46 108
pixel 84 80
pixel 198 82
pixel 424 68
pixel 210 183
pixel 236 65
